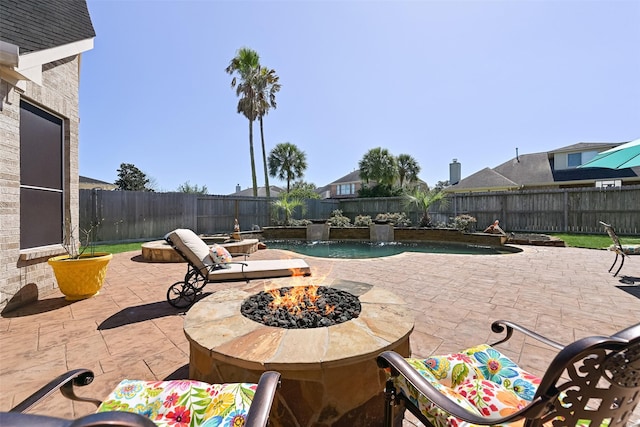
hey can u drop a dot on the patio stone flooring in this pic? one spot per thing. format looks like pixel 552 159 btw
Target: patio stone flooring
pixel 130 331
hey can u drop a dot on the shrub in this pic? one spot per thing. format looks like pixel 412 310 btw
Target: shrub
pixel 338 220
pixel 464 223
pixel 362 221
pixel 397 219
pixel 299 222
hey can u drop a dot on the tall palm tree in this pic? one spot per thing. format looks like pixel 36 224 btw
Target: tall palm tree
pixel 378 165
pixel 246 64
pixel 267 87
pixel 408 169
pixel 287 162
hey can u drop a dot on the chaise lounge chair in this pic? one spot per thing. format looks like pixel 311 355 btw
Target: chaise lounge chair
pixel 618 248
pixel 594 381
pixel 136 403
pixel 202 269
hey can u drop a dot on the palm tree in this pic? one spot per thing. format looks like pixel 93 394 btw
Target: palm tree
pixel 246 64
pixel 287 162
pixel 267 87
pixel 423 200
pixel 287 205
pixel 408 169
pixel 378 165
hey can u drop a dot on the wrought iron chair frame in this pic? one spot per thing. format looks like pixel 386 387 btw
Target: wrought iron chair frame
pixel 545 406
pixel 257 416
pixel 617 247
pixel 183 294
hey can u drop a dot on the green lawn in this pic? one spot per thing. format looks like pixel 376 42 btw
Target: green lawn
pixel 593 241
pixel 117 248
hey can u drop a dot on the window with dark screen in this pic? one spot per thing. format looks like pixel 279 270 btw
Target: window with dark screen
pixel 41 177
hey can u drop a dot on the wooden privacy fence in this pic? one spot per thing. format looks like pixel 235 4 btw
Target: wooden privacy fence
pixel 134 215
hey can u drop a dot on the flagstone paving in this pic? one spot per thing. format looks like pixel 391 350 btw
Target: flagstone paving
pixel 130 331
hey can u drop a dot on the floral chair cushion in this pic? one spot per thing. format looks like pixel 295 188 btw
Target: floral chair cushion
pixel 182 403
pixel 480 379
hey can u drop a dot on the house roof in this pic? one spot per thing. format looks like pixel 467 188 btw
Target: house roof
pixel 35 25
pixel 350 177
pixel 262 192
pixel 537 170
pixel 87 180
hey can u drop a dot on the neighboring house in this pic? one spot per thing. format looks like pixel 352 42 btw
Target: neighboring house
pixel 262 191
pixel 86 183
pixel 554 169
pixel 344 188
pixel 41 42
pixel 347 187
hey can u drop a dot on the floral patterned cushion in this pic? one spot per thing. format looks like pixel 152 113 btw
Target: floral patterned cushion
pixel 185 403
pixel 220 255
pixel 480 379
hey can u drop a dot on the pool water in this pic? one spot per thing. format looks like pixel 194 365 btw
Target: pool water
pixel 363 249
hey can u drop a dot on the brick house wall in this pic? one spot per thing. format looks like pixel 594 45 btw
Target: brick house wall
pixel 24 275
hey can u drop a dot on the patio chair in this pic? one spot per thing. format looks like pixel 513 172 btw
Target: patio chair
pixel 618 248
pixel 157 403
pixel 203 269
pixel 594 381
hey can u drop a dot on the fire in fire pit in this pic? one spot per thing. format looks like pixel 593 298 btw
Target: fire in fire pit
pixel 301 307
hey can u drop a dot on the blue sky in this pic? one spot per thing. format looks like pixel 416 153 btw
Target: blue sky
pixel 470 80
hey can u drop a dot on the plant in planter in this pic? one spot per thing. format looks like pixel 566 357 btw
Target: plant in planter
pixel 423 200
pixel 80 275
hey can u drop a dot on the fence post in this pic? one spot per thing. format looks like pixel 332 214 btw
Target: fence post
pixel 565 222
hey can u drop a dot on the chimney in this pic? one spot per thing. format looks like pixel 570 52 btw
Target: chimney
pixel 238 189
pixel 455 170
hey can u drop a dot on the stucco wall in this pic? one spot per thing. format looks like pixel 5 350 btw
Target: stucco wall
pixel 25 274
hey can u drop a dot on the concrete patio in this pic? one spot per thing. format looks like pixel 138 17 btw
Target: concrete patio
pixel 130 331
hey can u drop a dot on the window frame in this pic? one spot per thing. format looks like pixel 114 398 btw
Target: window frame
pixel 48 183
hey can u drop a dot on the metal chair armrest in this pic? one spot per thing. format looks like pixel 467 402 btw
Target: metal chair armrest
pixel 258 414
pixel 64 383
pixel 499 326
pixel 102 419
pixel 399 366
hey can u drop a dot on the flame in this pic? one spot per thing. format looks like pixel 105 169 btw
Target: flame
pixel 297 300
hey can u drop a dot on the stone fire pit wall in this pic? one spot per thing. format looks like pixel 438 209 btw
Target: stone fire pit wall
pixel 329 375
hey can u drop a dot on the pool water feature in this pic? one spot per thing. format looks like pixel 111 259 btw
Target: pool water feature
pixel 366 249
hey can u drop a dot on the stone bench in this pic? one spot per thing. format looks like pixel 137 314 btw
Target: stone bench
pixel 161 251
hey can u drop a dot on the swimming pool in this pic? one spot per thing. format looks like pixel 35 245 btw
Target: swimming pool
pixel 363 249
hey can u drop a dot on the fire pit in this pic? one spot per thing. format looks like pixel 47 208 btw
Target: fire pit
pixel 301 307
pixel 329 373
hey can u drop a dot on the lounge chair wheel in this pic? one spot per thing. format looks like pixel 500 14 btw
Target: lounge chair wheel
pixel 195 280
pixel 181 295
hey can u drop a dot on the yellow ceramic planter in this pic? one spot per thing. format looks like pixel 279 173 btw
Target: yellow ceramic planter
pixel 80 278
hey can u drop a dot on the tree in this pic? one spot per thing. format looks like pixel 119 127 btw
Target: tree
pixel 423 200
pixel 287 162
pixel 441 185
pixel 378 165
pixel 246 64
pixel 287 204
pixel 267 86
pixel 130 178
pixel 303 190
pixel 408 169
pixel 192 189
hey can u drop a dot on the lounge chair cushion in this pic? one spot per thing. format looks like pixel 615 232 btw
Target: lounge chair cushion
pixel 480 379
pixel 183 402
pixel 260 269
pixel 192 246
